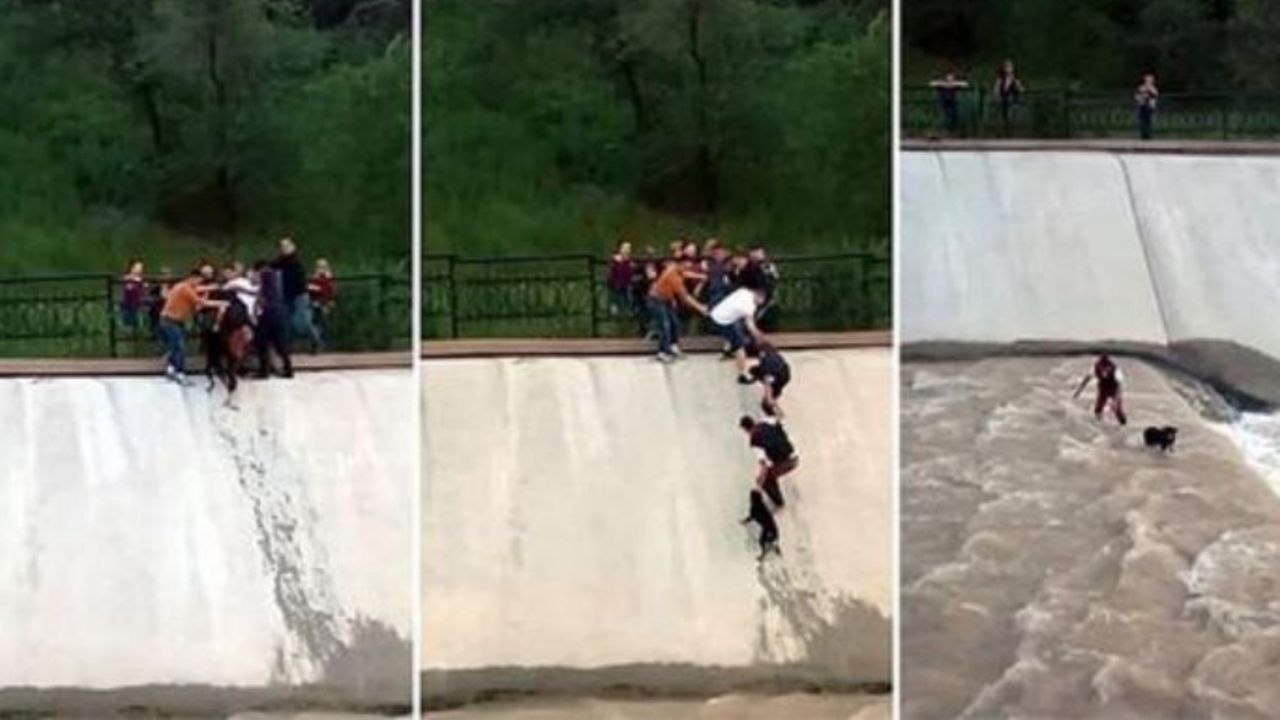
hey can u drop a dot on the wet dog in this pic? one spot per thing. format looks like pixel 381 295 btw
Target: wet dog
pixel 1160 438
pixel 762 516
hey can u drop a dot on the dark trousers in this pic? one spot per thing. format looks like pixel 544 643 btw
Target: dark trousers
pixel 665 323
pixel 770 482
pixel 273 334
pixel 1146 121
pixel 951 117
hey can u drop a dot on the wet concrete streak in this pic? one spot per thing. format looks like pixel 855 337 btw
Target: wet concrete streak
pixel 303 588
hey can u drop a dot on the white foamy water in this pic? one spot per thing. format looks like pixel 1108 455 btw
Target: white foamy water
pixel 1258 437
pixel 1053 566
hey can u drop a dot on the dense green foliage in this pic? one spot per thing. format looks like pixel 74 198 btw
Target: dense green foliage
pixel 1101 45
pixel 177 128
pixel 564 125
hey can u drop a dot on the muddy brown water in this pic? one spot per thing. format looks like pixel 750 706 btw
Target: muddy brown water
pixel 1054 567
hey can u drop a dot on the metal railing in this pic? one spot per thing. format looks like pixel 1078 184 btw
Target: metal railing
pixel 80 316
pixel 1063 113
pixel 568 296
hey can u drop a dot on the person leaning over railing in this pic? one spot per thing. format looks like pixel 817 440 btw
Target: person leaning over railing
pixel 667 291
pixel 1146 97
pixel 181 304
pixel 948 88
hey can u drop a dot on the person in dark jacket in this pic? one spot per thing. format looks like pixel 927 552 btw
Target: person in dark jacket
pixel 293 286
pixel 273 320
pixel 775 454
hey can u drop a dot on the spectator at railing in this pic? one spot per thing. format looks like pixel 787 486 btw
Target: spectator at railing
pixel 156 295
pixel 133 294
pixel 272 332
pixel 621 280
pixel 1146 97
pixel 719 268
pixel 293 279
pixel 646 273
pixel 762 274
pixel 323 292
pixel 1006 92
pixel 948 88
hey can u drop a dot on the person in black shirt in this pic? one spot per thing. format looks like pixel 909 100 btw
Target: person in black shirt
pixel 293 286
pixel 772 372
pixel 948 88
pixel 777 457
pixel 225 334
pixel 273 321
pixel 719 273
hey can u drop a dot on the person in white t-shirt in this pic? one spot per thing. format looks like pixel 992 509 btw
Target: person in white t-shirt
pixel 734 319
pixel 245 288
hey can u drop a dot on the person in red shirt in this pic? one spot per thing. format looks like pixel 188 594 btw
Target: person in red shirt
pixel 323 290
pixel 133 294
pixel 1109 378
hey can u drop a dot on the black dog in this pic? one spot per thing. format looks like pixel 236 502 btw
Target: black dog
pixel 1161 438
pixel 761 515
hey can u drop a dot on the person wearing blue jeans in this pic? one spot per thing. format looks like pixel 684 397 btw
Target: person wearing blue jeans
pixel 667 290
pixel 172 337
pixel 293 277
pixel 663 317
pixel 181 303
pixel 733 319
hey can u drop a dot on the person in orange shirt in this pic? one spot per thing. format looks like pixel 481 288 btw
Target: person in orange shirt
pixel 181 304
pixel 667 291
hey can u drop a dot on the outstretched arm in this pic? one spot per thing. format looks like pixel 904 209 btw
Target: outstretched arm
pixel 692 302
pixel 1083 384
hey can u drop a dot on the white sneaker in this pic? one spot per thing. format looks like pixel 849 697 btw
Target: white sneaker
pixel 666 357
pixel 675 350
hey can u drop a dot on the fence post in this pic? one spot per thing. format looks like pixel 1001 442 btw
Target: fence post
pixel 1066 112
pixel 451 278
pixel 111 318
pixel 593 298
pixel 384 321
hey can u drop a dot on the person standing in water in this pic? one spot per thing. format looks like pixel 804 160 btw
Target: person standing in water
pixel 1109 379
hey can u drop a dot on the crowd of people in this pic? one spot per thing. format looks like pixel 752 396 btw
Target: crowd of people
pixel 1007 91
pixel 238 312
pixel 731 293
